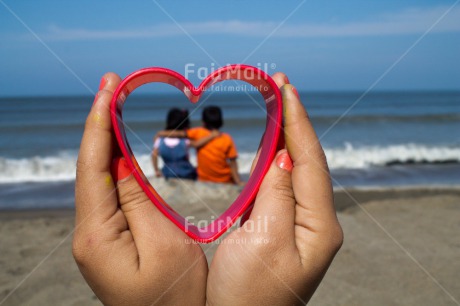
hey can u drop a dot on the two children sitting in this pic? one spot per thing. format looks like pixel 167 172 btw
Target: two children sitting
pixel 216 151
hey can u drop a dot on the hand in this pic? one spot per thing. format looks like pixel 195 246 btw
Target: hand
pixel 215 133
pixel 292 234
pixel 158 174
pixel 128 252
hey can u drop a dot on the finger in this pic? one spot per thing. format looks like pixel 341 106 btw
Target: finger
pixel 274 207
pixel 149 227
pixel 95 199
pixel 310 175
pixel 280 79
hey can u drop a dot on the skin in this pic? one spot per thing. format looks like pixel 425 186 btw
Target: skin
pixel 155 155
pixel 284 262
pixel 129 253
pixel 234 171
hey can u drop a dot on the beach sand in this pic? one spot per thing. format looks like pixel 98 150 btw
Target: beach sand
pixel 401 247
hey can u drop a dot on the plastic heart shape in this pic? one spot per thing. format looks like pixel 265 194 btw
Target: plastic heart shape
pixel 254 76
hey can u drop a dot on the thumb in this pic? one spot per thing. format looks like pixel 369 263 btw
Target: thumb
pixel 144 220
pixel 133 201
pixel 275 202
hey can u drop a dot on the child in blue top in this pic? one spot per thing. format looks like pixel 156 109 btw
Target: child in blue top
pixel 174 151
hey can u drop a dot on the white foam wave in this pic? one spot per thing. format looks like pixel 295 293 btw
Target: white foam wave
pixel 350 157
pixel 37 169
pixel 62 166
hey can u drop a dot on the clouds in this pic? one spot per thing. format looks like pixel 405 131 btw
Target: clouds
pixel 409 21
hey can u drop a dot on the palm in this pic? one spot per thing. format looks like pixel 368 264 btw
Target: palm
pixel 251 261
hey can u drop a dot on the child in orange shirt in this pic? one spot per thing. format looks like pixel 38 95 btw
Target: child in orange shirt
pixel 216 159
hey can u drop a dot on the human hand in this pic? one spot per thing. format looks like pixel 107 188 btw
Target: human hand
pixel 215 133
pixel 158 174
pixel 126 249
pixel 281 253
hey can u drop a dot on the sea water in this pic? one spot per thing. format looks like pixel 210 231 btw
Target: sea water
pixel 380 139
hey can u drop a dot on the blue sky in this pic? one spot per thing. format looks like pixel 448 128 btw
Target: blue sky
pixel 321 45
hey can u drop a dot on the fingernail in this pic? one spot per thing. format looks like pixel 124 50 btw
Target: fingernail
pixel 102 83
pixel 120 169
pixel 284 161
pixel 294 90
pixel 286 79
pixel 95 98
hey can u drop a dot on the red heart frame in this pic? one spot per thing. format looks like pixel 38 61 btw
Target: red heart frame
pixel 252 75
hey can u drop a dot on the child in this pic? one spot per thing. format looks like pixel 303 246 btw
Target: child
pixel 173 150
pixel 217 158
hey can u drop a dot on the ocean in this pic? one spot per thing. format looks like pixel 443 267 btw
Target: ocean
pixel 384 139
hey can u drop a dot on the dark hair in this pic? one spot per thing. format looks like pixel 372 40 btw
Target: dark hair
pixel 177 119
pixel 212 117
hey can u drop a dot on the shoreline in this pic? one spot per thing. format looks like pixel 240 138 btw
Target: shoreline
pixel 342 199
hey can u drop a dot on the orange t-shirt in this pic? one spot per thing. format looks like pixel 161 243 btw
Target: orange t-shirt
pixel 212 157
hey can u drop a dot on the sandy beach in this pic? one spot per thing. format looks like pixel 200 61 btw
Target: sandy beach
pixel 401 248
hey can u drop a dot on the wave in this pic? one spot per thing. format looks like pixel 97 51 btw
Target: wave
pixel 38 169
pixel 351 157
pixel 61 167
